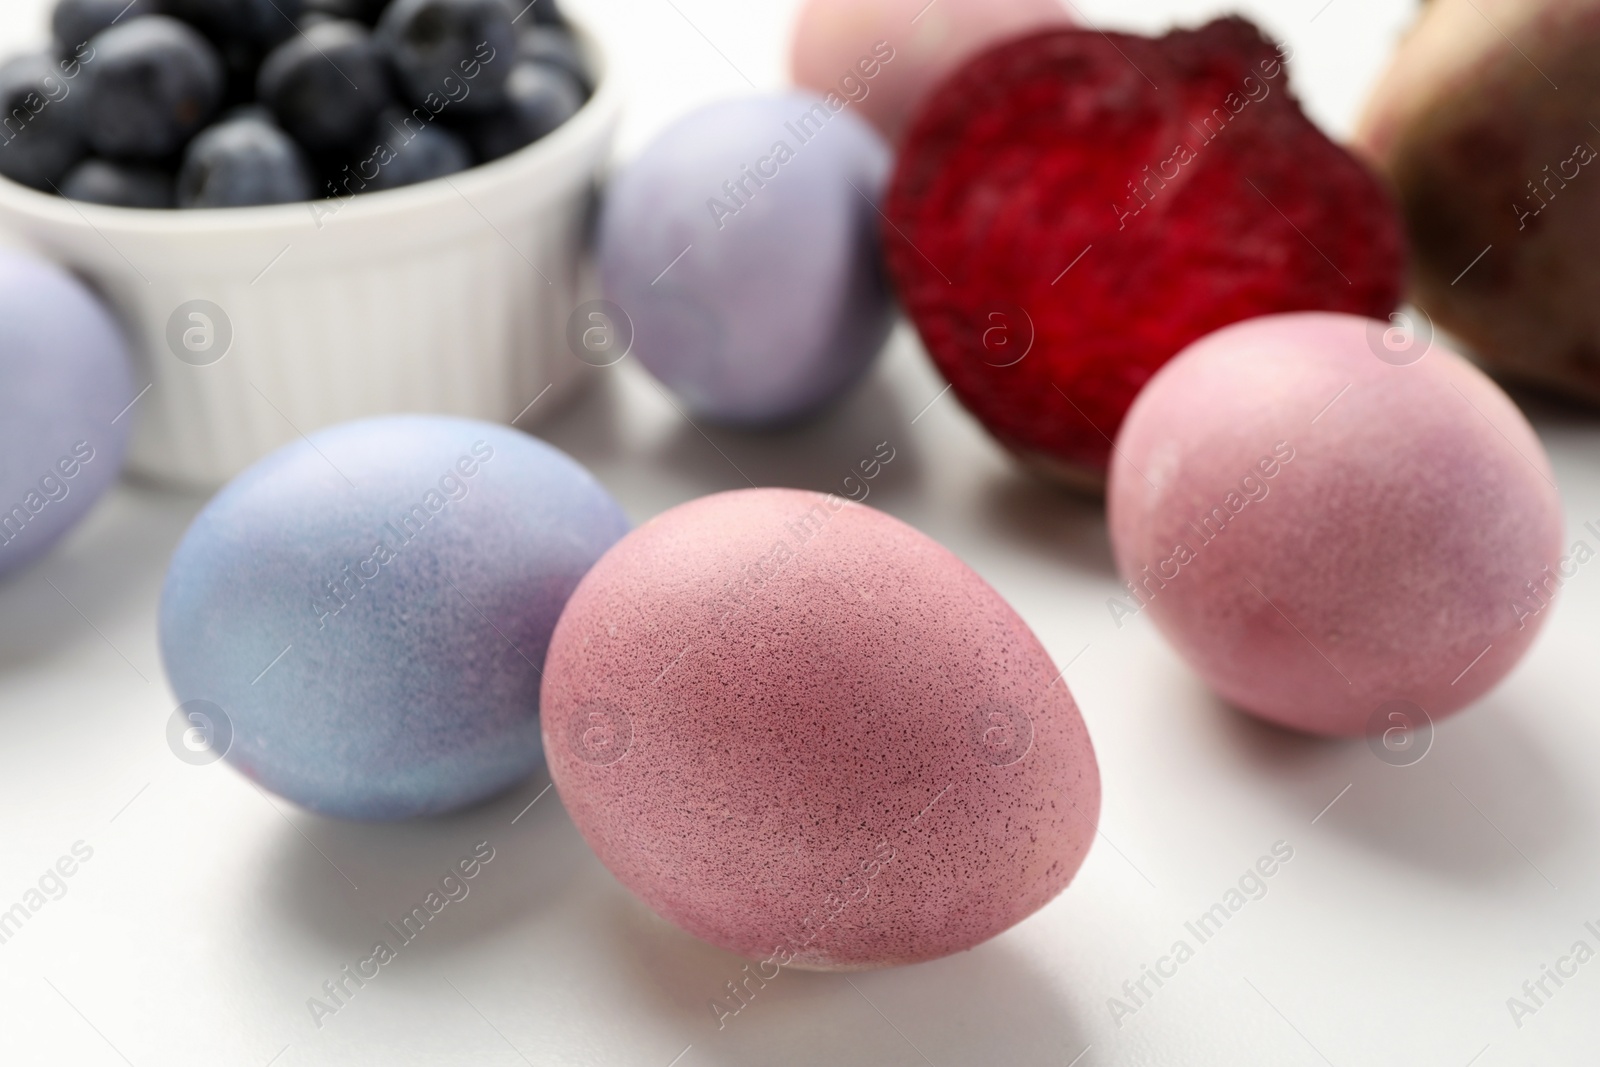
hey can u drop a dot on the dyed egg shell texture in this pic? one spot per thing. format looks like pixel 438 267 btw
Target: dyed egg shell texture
pixel 370 610
pixel 742 247
pixel 800 729
pixel 1321 532
pixel 64 411
pixel 885 55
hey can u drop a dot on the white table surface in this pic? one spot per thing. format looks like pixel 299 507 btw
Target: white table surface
pixel 1412 909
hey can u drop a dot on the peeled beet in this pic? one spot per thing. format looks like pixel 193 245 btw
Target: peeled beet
pixel 1498 178
pixel 1059 227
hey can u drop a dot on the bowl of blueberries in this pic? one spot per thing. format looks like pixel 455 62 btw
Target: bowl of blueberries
pixel 309 211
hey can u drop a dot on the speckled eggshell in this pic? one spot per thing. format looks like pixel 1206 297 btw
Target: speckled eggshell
pixel 805 732
pixel 64 416
pixel 370 609
pixel 742 244
pixel 1373 528
pixel 885 55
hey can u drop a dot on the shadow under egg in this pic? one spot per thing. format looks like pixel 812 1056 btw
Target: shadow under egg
pixel 1483 805
pixel 353 884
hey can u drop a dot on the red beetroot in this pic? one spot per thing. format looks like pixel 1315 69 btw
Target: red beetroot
pixel 1486 122
pixel 1070 209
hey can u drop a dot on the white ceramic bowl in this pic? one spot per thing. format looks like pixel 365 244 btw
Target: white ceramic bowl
pixel 447 296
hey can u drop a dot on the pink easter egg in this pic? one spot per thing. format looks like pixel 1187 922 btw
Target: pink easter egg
pixel 1335 521
pixel 883 56
pixel 805 732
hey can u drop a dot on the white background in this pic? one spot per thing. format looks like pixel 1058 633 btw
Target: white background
pixel 1412 908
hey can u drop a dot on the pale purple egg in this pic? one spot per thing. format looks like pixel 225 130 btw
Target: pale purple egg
pixel 742 245
pixel 64 413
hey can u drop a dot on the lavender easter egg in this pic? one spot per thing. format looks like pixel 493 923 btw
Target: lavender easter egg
pixel 1331 529
pixel 366 612
pixel 885 55
pixel 64 408
pixel 742 246
pixel 803 731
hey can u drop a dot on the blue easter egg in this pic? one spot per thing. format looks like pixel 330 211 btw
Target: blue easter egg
pixel 64 413
pixel 743 246
pixel 367 611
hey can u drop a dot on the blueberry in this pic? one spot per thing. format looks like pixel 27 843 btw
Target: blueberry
pixel 152 83
pixel 261 23
pixel 41 126
pixel 251 110
pixel 241 63
pixel 313 18
pixel 410 151
pixel 540 97
pixel 547 44
pixel 539 13
pixel 100 181
pixel 74 22
pixel 457 51
pixel 326 86
pixel 241 162
pixel 361 10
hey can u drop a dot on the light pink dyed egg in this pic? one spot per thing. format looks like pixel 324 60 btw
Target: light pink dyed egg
pixel 805 732
pixel 1327 535
pixel 884 55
